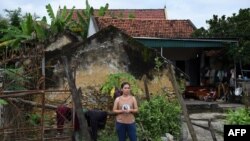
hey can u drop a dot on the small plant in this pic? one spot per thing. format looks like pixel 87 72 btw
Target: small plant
pixel 102 11
pixel 12 82
pixel 157 117
pixel 107 136
pixel 35 119
pixel 182 83
pixel 131 16
pixel 3 102
pixel 120 15
pixel 240 117
pixel 158 64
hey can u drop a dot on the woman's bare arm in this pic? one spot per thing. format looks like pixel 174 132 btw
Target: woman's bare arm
pixel 115 107
pixel 135 108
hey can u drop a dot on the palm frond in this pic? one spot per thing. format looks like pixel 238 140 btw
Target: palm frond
pixel 81 18
pixel 64 13
pixel 6 43
pixel 70 14
pixel 50 12
pixel 40 32
pixel 27 25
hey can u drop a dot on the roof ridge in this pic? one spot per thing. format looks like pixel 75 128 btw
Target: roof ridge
pixel 122 9
pixel 141 19
pixel 117 9
pixel 137 9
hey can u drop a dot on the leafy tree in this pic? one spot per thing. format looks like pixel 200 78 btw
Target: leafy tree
pixel 3 25
pixel 201 32
pixel 14 16
pixel 236 26
pixel 3 22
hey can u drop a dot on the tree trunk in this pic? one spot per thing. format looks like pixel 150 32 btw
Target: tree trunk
pixel 84 134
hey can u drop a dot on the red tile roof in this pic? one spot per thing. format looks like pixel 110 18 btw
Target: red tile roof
pixel 149 27
pixel 124 13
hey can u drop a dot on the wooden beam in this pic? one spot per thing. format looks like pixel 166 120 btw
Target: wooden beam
pixel 211 130
pixel 181 101
pixel 35 104
pixel 146 87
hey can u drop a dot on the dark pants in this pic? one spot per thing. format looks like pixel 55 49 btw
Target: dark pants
pixel 126 129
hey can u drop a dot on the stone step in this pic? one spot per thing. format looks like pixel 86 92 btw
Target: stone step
pixel 196 106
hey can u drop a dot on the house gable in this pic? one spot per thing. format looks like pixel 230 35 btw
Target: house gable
pixel 122 51
pixel 106 52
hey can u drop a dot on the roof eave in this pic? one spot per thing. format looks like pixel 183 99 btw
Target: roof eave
pixel 184 43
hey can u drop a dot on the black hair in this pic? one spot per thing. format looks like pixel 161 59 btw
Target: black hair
pixel 124 83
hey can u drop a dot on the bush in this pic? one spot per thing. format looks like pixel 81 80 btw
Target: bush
pixel 240 117
pixel 109 133
pixel 107 136
pixel 115 80
pixel 157 117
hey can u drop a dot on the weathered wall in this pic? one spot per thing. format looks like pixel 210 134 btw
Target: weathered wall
pixel 98 59
pixel 114 52
pixel 110 51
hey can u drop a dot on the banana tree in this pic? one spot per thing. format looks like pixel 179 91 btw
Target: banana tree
pixel 61 21
pixel 83 20
pixel 30 29
pixel 82 24
pixel 12 37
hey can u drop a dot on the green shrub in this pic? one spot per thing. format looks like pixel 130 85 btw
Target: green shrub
pixel 240 116
pixel 157 117
pixel 109 133
pixel 3 102
pixel 115 80
pixel 107 136
pixel 35 119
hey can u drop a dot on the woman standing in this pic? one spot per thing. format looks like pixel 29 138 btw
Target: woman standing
pixel 125 106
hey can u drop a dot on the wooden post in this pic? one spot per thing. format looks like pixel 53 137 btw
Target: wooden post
pixel 146 87
pixel 211 130
pixel 43 95
pixel 181 101
pixel 84 134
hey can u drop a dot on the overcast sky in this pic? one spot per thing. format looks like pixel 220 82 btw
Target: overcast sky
pixel 198 11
